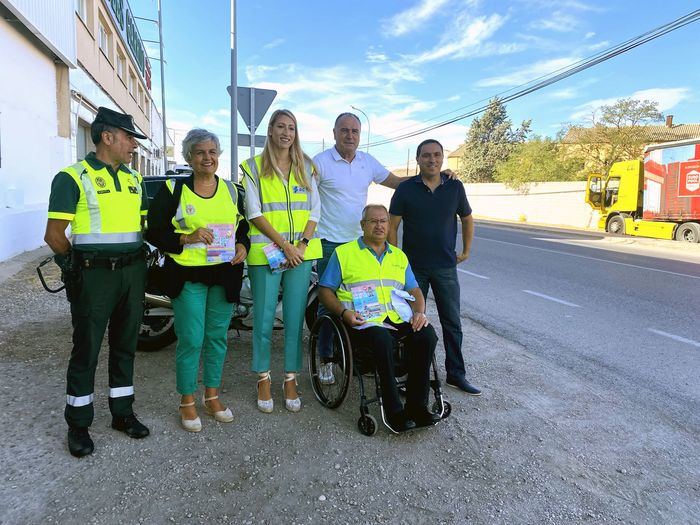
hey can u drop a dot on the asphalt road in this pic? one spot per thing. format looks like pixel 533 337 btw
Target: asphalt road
pixel 623 314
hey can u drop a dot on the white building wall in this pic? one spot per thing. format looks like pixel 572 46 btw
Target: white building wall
pixel 30 148
pixel 548 203
pixel 51 21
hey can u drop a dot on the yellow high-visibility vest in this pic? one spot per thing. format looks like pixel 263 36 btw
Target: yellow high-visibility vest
pixel 359 267
pixel 286 207
pixel 104 215
pixel 195 212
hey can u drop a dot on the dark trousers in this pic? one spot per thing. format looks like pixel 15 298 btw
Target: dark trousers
pixel 111 298
pixel 445 286
pixel 325 336
pixel 419 348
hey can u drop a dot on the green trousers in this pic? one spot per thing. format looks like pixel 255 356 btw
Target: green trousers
pixel 202 318
pixel 106 298
pixel 265 286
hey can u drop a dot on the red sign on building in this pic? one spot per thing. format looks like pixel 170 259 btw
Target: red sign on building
pixel 689 179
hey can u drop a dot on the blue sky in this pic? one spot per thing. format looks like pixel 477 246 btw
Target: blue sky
pixel 408 63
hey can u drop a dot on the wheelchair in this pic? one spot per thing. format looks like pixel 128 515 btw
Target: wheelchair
pixel 347 361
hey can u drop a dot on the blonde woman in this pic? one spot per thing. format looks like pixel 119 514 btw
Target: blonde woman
pixel 283 208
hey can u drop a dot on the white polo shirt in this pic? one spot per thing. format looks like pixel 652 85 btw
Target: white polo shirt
pixel 343 189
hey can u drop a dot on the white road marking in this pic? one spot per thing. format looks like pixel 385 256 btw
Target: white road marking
pixel 473 274
pixel 674 337
pixel 550 298
pixel 591 258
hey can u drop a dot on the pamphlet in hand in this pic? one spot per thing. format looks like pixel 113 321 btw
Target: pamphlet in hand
pixel 276 258
pixel 365 301
pixel 370 324
pixel 223 247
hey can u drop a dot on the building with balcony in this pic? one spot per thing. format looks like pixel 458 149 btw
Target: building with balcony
pixel 60 61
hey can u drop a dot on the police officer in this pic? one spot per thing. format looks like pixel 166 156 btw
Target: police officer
pixel 104 201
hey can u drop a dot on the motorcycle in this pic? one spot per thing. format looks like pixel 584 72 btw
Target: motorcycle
pixel 157 325
pixel 158 328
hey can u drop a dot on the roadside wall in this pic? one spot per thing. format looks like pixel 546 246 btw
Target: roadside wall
pixel 552 203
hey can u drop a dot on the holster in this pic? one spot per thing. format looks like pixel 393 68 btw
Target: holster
pixel 71 275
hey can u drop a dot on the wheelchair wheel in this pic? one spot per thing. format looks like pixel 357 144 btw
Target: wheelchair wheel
pixel 367 425
pixel 330 369
pixel 447 409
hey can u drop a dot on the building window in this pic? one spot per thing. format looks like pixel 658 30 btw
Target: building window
pixel 132 84
pixel 121 63
pixel 83 141
pixel 104 39
pixel 81 9
pixel 147 108
pixel 140 99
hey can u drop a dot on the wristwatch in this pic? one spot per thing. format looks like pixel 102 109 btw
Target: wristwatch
pixel 305 240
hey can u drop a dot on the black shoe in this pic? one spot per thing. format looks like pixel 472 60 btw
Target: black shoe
pixel 398 422
pixel 131 426
pixel 79 442
pixel 463 385
pixel 423 417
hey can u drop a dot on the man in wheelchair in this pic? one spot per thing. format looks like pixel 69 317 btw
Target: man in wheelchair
pixel 369 284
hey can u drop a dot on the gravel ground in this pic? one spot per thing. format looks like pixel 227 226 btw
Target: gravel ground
pixel 539 446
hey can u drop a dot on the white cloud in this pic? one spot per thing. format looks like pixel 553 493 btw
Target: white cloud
pixel 564 94
pixel 468 39
pixel 558 21
pixel 666 98
pixel 375 56
pixel 600 45
pixel 529 73
pixel 274 43
pixel 411 18
pixel 589 35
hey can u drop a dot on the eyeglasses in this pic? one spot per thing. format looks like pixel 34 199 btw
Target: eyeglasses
pixel 375 222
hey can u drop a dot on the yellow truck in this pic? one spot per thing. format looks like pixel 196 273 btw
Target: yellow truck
pixel 658 197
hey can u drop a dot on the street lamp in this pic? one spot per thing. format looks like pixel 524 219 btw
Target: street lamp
pixel 159 23
pixel 368 128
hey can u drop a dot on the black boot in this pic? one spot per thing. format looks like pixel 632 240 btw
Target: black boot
pixel 79 442
pixel 398 422
pixel 131 426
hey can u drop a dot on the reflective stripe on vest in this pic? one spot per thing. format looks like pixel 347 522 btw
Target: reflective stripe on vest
pixel 360 267
pixel 286 206
pixel 195 212
pixel 104 215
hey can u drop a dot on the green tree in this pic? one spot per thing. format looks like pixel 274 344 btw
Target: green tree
pixel 538 160
pixel 613 133
pixel 490 140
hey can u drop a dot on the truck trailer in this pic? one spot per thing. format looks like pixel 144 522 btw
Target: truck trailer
pixel 658 197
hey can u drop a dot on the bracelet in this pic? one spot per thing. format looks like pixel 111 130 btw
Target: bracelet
pixel 343 312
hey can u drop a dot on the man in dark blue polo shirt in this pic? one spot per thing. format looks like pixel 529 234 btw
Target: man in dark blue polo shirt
pixel 429 204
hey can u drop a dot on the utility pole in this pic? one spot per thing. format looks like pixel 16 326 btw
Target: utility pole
pixel 234 97
pixel 162 89
pixel 159 22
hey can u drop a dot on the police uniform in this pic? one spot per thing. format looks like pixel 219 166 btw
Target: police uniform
pixel 107 277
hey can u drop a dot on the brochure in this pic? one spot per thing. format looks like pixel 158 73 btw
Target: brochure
pixel 276 258
pixel 365 301
pixel 370 325
pixel 223 247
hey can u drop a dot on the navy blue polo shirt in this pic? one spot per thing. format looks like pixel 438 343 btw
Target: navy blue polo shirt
pixel 430 220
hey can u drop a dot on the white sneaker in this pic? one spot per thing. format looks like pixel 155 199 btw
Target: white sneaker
pixel 325 374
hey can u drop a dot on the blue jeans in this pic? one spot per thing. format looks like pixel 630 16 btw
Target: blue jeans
pixel 325 336
pixel 445 286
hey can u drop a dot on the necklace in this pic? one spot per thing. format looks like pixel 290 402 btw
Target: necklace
pixel 206 184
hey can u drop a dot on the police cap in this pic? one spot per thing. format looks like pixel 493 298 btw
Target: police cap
pixel 115 119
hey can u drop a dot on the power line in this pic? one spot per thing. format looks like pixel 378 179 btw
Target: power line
pixel 561 73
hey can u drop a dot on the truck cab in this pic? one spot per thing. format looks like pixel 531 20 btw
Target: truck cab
pixel 618 196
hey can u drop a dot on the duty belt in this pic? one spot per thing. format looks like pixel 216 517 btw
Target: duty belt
pixel 112 263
